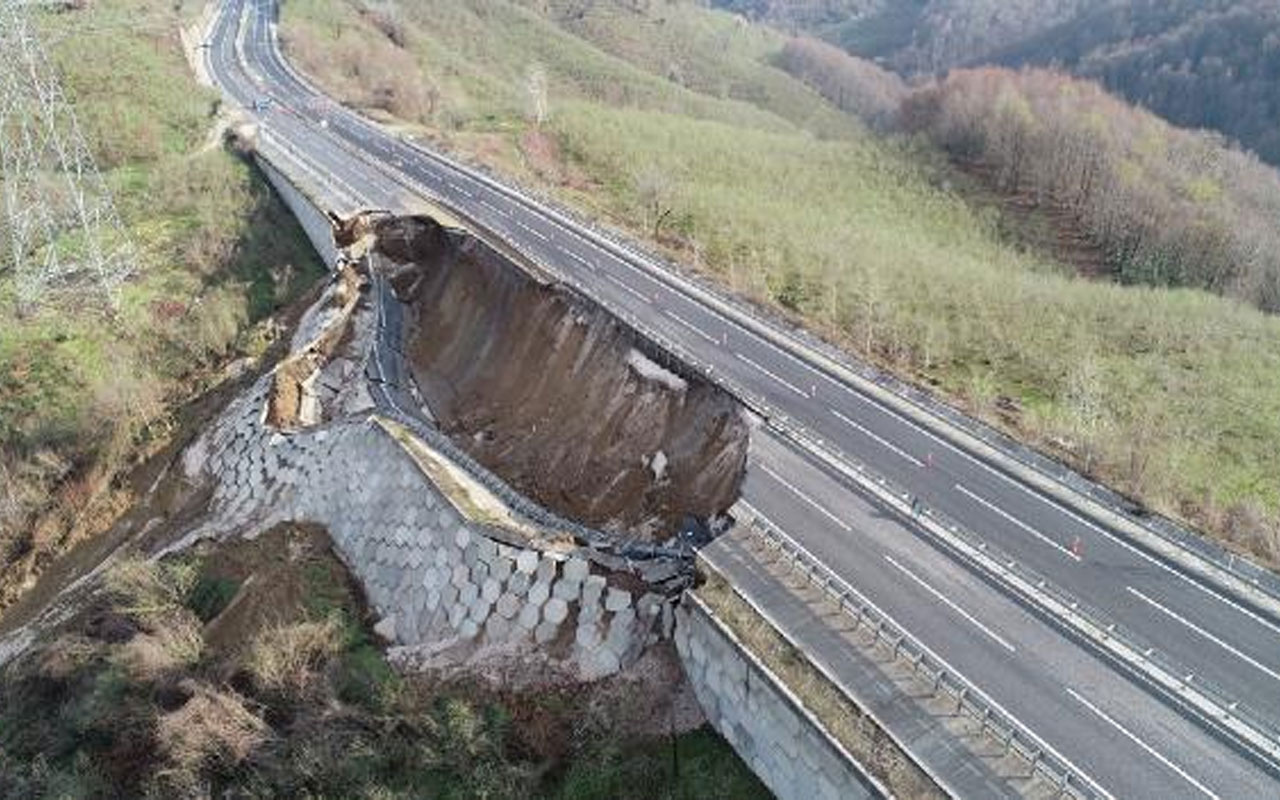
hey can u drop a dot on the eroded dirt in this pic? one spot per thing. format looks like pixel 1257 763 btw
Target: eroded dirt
pixel 553 393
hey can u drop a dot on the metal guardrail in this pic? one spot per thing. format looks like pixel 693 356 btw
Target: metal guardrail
pixel 1147 657
pixel 518 502
pixel 1214 706
pixel 904 647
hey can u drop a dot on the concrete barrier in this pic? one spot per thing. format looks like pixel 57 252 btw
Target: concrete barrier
pixel 785 745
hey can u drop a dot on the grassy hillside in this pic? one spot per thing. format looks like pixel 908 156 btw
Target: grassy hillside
pixel 85 385
pixel 249 670
pixel 1171 395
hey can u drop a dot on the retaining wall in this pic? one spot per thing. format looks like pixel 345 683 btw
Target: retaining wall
pixel 439 579
pixel 785 745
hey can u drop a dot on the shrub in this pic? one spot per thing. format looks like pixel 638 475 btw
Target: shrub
pixel 147 589
pixel 214 728
pixel 210 595
pixel 287 659
pixel 176 643
pixel 364 678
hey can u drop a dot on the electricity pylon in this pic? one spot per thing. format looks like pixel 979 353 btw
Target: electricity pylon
pixel 60 225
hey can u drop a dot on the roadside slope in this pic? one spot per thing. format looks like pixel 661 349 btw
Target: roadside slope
pixel 86 389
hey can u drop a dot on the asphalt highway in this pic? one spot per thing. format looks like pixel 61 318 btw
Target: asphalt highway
pixel 1130 742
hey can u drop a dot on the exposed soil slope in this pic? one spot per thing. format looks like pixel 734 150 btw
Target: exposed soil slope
pixel 551 392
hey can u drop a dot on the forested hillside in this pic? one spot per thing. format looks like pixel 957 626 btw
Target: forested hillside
pixel 1198 63
pixel 1163 206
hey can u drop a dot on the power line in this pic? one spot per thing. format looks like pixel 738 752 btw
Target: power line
pixel 61 227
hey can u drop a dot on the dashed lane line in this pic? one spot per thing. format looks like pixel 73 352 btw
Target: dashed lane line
pixel 686 323
pixel 1005 514
pixel 774 375
pixel 634 292
pixel 876 437
pixel 531 231
pixel 1219 642
pixel 492 207
pixel 997 638
pixel 1182 773
pixel 806 498
pixel 580 259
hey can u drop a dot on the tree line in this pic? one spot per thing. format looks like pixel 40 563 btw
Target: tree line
pixel 1168 207
pixel 852 84
pixel 1163 205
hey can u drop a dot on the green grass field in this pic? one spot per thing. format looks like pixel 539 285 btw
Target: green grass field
pixel 87 382
pixel 1172 396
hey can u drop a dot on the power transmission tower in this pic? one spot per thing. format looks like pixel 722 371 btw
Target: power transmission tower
pixel 60 225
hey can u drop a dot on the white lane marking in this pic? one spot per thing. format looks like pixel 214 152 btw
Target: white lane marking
pixel 460 189
pixel 634 292
pixel 492 207
pixel 967 616
pixel 1151 750
pixel 906 420
pixel 531 231
pixel 692 327
pixel 774 375
pixel 993 507
pixel 1054 504
pixel 1219 642
pixel 580 259
pixel 937 659
pixel 806 498
pixel 883 441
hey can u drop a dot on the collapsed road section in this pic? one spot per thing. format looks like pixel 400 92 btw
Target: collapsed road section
pixel 411 419
pixel 545 387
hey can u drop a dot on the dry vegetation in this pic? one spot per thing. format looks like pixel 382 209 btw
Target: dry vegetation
pixel 1170 395
pixel 87 388
pixel 282 692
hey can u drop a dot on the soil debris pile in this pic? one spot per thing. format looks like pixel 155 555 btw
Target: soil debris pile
pixel 549 390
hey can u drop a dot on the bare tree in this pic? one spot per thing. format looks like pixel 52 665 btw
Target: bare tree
pixel 656 191
pixel 1085 406
pixel 535 83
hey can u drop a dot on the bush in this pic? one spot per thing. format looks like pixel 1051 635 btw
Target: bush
pixel 364 678
pixel 287 660
pixel 210 595
pixel 214 728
